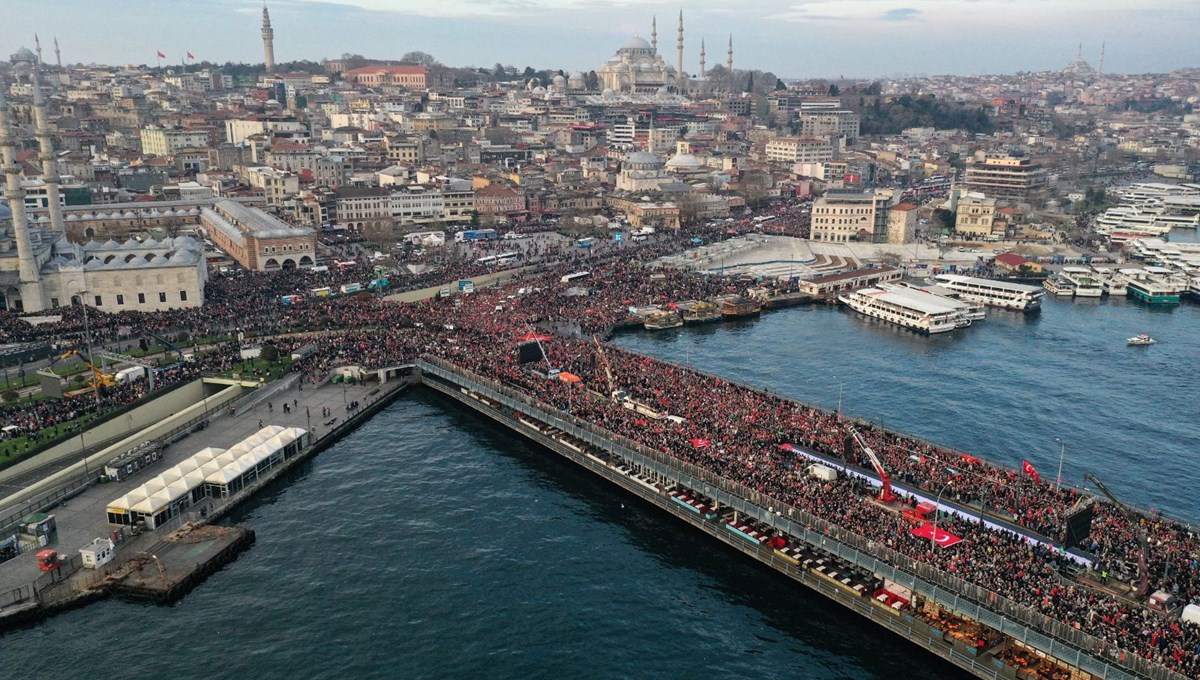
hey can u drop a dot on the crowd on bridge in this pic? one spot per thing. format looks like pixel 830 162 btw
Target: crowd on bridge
pixel 729 429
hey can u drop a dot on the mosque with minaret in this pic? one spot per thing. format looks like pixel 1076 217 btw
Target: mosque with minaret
pixel 41 270
pixel 638 68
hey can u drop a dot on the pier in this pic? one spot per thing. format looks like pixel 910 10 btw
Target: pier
pixel 164 563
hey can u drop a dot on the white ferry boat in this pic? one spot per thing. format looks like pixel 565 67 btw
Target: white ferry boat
pixel 1115 284
pixel 1193 289
pixel 1059 286
pixel 972 310
pixel 1085 282
pixel 928 316
pixel 992 293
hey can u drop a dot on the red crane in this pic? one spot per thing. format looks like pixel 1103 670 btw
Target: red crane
pixel 886 495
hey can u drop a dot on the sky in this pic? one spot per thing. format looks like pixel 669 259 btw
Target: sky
pixel 792 38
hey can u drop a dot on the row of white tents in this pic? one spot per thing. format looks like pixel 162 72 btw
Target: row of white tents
pixel 211 472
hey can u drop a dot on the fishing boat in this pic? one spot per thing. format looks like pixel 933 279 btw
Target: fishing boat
pixel 1141 340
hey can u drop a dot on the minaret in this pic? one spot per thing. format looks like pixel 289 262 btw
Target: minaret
pixel 57 54
pixel 654 33
pixel 729 63
pixel 1100 70
pixel 701 76
pixel 680 82
pixel 47 157
pixel 37 46
pixel 27 274
pixel 268 36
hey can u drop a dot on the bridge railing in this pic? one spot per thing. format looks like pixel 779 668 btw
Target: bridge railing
pixel 1022 622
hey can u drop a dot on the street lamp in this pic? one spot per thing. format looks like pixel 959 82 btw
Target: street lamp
pixel 937 507
pixel 1062 452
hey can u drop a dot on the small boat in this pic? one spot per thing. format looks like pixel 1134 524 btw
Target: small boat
pixel 1141 340
pixel 701 312
pixel 663 320
pixel 737 307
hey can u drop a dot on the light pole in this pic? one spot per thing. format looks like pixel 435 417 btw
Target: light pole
pixel 1062 452
pixel 87 339
pixel 937 507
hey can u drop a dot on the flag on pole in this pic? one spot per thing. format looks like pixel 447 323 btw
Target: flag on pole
pixel 1028 469
pixel 190 56
pixel 161 55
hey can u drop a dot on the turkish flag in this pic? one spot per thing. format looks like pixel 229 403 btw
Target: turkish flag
pixel 1028 469
pixel 190 55
pixel 968 458
pixel 938 536
pixel 700 443
pixel 161 55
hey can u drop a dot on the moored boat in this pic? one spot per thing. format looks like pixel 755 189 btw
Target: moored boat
pixel 1141 340
pixel 701 312
pixel 663 320
pixel 738 307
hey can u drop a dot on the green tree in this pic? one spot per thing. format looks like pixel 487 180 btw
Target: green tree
pixel 270 353
pixel 834 90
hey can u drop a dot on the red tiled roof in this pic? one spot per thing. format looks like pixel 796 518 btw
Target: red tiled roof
pixel 1012 259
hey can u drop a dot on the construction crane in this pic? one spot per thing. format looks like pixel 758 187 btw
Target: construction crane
pixel 125 358
pixel 613 392
pixel 99 378
pixel 165 343
pixel 886 495
pixel 1136 520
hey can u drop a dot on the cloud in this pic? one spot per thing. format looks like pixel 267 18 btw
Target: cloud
pixel 901 14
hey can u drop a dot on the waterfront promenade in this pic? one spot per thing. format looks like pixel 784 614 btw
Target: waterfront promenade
pixel 82 518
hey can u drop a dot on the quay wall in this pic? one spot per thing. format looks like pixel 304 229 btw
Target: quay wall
pixel 952 594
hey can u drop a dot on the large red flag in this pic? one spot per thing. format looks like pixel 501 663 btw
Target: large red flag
pixel 938 536
pixel 1028 469
pixel 190 56
pixel 161 55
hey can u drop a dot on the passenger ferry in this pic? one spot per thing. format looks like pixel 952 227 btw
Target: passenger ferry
pixel 971 310
pixel 1059 286
pixel 1193 289
pixel 1155 291
pixel 1085 281
pixel 663 320
pixel 992 293
pixel 739 307
pixel 700 312
pixel 1115 284
pixel 917 311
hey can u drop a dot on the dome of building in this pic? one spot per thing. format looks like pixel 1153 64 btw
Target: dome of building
pixel 539 90
pixel 642 160
pixel 5 213
pixel 577 81
pixel 560 80
pixel 608 93
pixel 684 161
pixel 663 91
pixel 636 43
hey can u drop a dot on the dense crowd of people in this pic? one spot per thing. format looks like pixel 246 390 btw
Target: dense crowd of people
pixel 742 429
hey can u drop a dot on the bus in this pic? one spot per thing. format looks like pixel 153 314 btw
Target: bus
pixel 472 235
pixel 577 276
pixel 585 242
pixel 765 218
pixel 322 292
pixel 340 264
pixel 351 288
pixel 498 260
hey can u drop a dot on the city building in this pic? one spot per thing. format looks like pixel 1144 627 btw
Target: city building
pixel 1013 178
pixel 902 223
pixel 843 215
pixel 167 142
pixel 636 68
pixel 976 215
pixel 799 150
pixel 407 77
pixel 257 240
